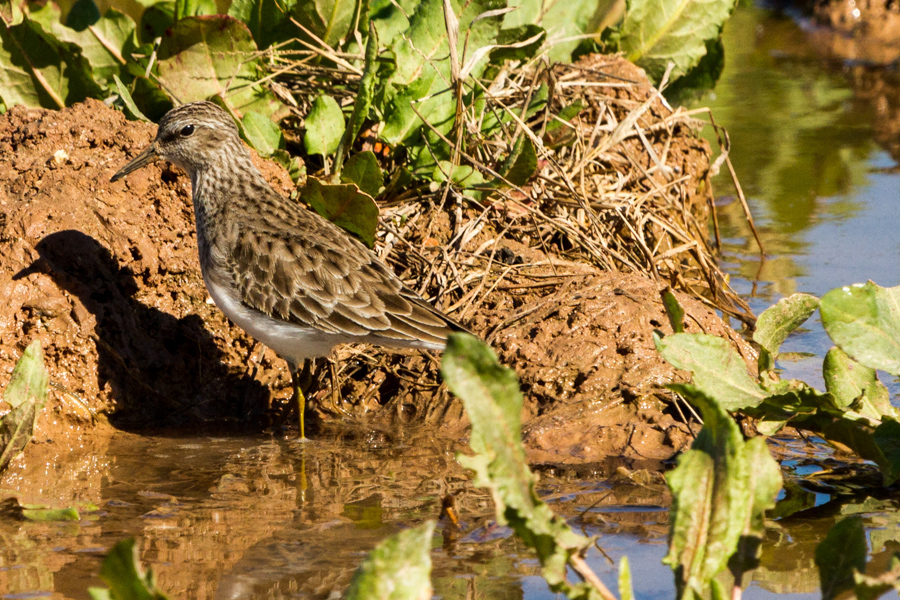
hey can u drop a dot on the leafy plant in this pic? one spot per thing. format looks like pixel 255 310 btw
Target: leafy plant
pixel 493 402
pixel 121 571
pixel 854 413
pixel 398 569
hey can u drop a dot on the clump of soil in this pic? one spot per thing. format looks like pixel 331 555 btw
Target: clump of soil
pixel 106 276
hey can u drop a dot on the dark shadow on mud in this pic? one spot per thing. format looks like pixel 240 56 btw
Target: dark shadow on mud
pixel 161 370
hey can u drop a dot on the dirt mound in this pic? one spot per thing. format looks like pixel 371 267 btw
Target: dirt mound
pixel 106 275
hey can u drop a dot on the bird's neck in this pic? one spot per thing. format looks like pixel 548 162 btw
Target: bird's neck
pixel 221 184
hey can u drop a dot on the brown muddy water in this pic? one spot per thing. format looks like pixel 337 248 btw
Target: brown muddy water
pixel 224 515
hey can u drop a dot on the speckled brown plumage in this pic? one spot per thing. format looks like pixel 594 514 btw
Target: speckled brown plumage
pixel 290 278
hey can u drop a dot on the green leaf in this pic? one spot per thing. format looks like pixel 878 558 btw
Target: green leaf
pixel 722 488
pixel 329 20
pixel 82 14
pixel 149 99
pixel 26 392
pixel 345 206
pixel 673 310
pixel 512 46
pixel 718 369
pixel 268 20
pixel 390 18
pixel 840 555
pixel 493 402
pixel 104 42
pixel 364 97
pixel 363 170
pixel 131 108
pixel 156 20
pixel 398 568
pixel 194 8
pixel 261 133
pixel 655 32
pixel 202 57
pixel 856 388
pixel 38 70
pixel 121 571
pixel 423 66
pixel 561 19
pixel 324 126
pixel 521 163
pixel 864 321
pixel 777 322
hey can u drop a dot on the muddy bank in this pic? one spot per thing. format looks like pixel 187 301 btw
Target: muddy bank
pixel 106 276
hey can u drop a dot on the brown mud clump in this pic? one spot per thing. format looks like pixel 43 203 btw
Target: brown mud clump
pixel 106 275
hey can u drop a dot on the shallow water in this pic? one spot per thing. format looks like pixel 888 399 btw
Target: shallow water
pixel 230 516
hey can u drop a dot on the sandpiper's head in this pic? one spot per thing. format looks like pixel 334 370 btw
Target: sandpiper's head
pixel 191 136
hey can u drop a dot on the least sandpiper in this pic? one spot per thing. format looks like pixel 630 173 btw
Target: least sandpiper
pixel 290 278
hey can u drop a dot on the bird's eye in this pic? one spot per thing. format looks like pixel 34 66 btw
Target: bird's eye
pixel 187 130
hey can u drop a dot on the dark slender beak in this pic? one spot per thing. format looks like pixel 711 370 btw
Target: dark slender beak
pixel 143 159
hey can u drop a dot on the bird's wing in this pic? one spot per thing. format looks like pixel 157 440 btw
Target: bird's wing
pixel 313 273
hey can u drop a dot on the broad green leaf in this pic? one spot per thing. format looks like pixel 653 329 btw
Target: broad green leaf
pixel 423 66
pixel 329 20
pixel 777 322
pixel 38 70
pixel 521 163
pixel 464 176
pixel 82 14
pixel 390 18
pixel 493 402
pixel 856 388
pixel 655 32
pixel 722 488
pixel 268 20
pixel 345 206
pixel 363 170
pixel 121 571
pixel 324 126
pixel 104 42
pixel 718 369
pixel 864 321
pixel 156 20
pixel 881 445
pixel 841 554
pixel 261 133
pixel 789 400
pixel 202 57
pixel 561 19
pixel 399 568
pixel 26 392
pixel 518 43
pixel 131 108
pixel 194 8
pixel 149 99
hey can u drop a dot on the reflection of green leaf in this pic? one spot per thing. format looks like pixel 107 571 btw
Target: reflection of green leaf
pixel 842 552
pixel 493 402
pixel 324 126
pixel 363 170
pixel 209 56
pixel 722 487
pixel 656 32
pixel 121 571
pixel 398 569
pixel 864 321
pixel 26 392
pixel 718 369
pixel 261 133
pixel 345 206
pixel 881 445
pixel 38 70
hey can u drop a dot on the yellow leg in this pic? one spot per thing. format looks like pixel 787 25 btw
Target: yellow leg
pixel 299 398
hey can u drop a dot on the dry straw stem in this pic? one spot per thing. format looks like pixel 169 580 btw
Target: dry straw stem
pixel 627 191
